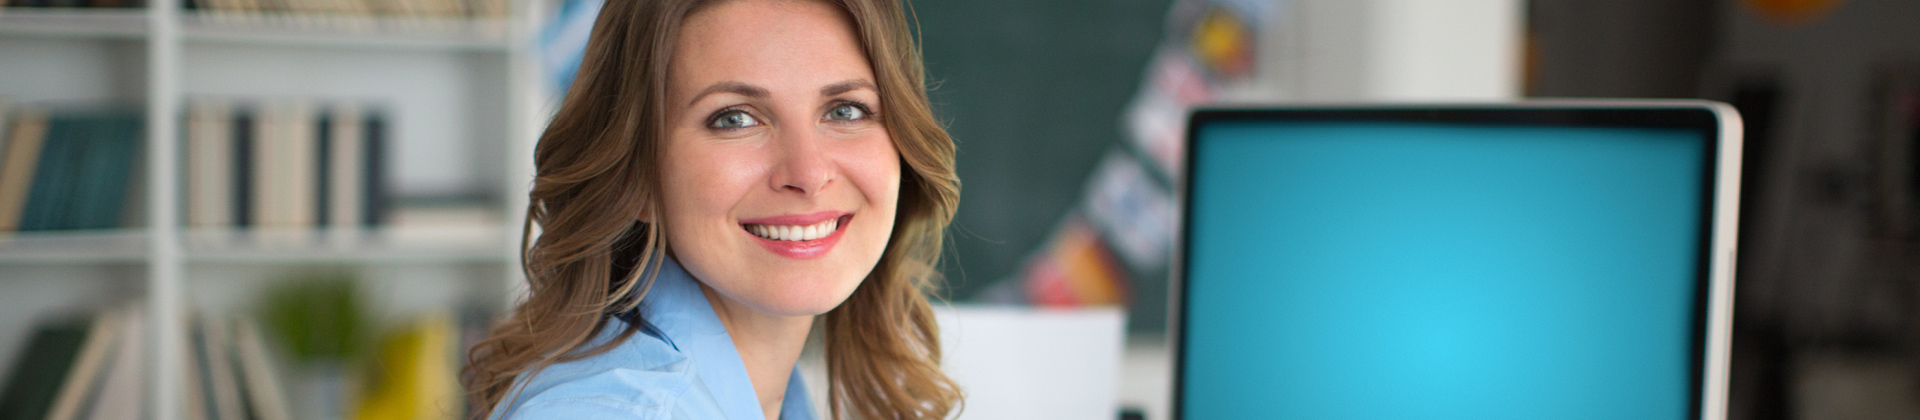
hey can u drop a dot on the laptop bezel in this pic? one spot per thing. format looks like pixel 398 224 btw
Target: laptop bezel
pixel 1721 127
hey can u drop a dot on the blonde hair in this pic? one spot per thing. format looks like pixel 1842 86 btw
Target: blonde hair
pixel 597 168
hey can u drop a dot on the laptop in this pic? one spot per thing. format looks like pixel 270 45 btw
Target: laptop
pixel 1551 260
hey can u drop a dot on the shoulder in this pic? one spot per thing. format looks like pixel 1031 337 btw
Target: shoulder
pixel 642 377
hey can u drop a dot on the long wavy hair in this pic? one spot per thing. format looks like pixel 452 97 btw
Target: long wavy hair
pixel 597 169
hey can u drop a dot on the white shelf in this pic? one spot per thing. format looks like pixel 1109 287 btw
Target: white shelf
pixel 75 247
pixel 452 84
pixel 339 31
pixel 434 245
pixel 107 23
pixel 276 29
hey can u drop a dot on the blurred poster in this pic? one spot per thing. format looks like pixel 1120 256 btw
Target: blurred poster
pixel 1115 249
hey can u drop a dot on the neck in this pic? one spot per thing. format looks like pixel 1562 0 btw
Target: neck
pixel 770 345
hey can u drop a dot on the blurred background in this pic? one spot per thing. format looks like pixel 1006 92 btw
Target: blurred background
pixel 304 209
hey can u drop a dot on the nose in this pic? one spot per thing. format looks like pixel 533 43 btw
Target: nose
pixel 802 164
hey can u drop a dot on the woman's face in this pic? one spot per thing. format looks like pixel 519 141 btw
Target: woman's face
pixel 780 181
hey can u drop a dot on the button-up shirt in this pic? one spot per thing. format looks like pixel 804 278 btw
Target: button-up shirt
pixel 681 364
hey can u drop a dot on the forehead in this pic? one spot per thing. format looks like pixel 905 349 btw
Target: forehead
pixel 777 44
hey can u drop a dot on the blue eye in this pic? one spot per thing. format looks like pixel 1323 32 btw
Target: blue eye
pixel 733 118
pixel 847 112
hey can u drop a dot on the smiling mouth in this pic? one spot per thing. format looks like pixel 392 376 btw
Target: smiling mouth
pixel 797 233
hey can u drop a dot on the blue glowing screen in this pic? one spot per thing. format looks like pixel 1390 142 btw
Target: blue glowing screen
pixel 1357 270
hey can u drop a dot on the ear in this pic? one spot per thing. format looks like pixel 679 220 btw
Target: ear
pixel 646 213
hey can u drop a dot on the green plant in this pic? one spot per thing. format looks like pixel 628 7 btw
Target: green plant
pixel 317 318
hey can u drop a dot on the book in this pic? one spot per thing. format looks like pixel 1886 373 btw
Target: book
pixel 209 164
pixel 301 176
pixel 101 340
pixel 80 177
pixel 105 166
pixel 7 108
pixel 265 398
pixel 25 140
pixel 345 189
pixel 375 201
pixel 192 377
pixel 122 390
pixel 212 345
pixel 42 368
pixel 53 177
pixel 285 168
pixel 265 168
pixel 243 156
pixel 285 173
pixel 323 153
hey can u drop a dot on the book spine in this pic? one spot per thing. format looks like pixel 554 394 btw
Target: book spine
pixel 266 168
pixel 262 384
pixel 224 385
pixel 105 169
pixel 376 201
pixel 23 156
pixel 122 388
pixel 47 198
pixel 210 165
pixel 323 165
pixel 242 168
pixel 101 341
pixel 298 154
pixel 346 168
pixel 43 365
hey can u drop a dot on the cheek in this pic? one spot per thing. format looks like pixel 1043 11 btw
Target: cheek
pixel 877 177
pixel 700 187
pixel 876 174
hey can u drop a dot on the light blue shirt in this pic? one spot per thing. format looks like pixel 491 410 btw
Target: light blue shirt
pixel 681 364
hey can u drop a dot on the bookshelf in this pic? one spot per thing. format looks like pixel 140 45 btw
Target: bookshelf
pixel 74 23
pixel 463 100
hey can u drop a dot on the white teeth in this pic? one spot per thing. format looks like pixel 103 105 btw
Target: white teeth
pixel 795 233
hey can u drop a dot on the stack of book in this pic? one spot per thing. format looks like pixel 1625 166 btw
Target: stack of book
pixel 67 169
pixel 230 373
pixel 284 165
pixel 474 9
pixel 95 368
pixel 81 369
pixel 72 3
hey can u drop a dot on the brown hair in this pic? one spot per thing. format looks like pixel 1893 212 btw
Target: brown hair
pixel 597 169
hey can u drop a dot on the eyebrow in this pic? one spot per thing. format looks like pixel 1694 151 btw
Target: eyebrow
pixel 757 92
pixel 737 88
pixel 846 86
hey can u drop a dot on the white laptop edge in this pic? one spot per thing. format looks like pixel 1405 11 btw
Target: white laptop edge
pixel 1726 227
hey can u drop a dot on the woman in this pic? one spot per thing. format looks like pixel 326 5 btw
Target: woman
pixel 721 175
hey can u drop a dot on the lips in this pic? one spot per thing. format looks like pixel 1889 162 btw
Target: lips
pixel 804 236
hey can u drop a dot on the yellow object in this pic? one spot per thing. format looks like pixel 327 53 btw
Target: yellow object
pixel 1224 43
pixel 1077 270
pixel 414 375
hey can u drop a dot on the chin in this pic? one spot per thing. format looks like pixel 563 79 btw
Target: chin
pixel 804 297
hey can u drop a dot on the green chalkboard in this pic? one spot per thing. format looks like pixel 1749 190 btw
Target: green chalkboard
pixel 1033 92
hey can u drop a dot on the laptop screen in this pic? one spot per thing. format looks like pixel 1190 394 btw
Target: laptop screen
pixel 1386 268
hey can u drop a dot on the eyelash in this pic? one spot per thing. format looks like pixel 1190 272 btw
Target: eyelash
pixel 714 120
pixel 866 113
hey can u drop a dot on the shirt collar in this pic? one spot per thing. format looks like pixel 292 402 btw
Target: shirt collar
pixel 676 308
